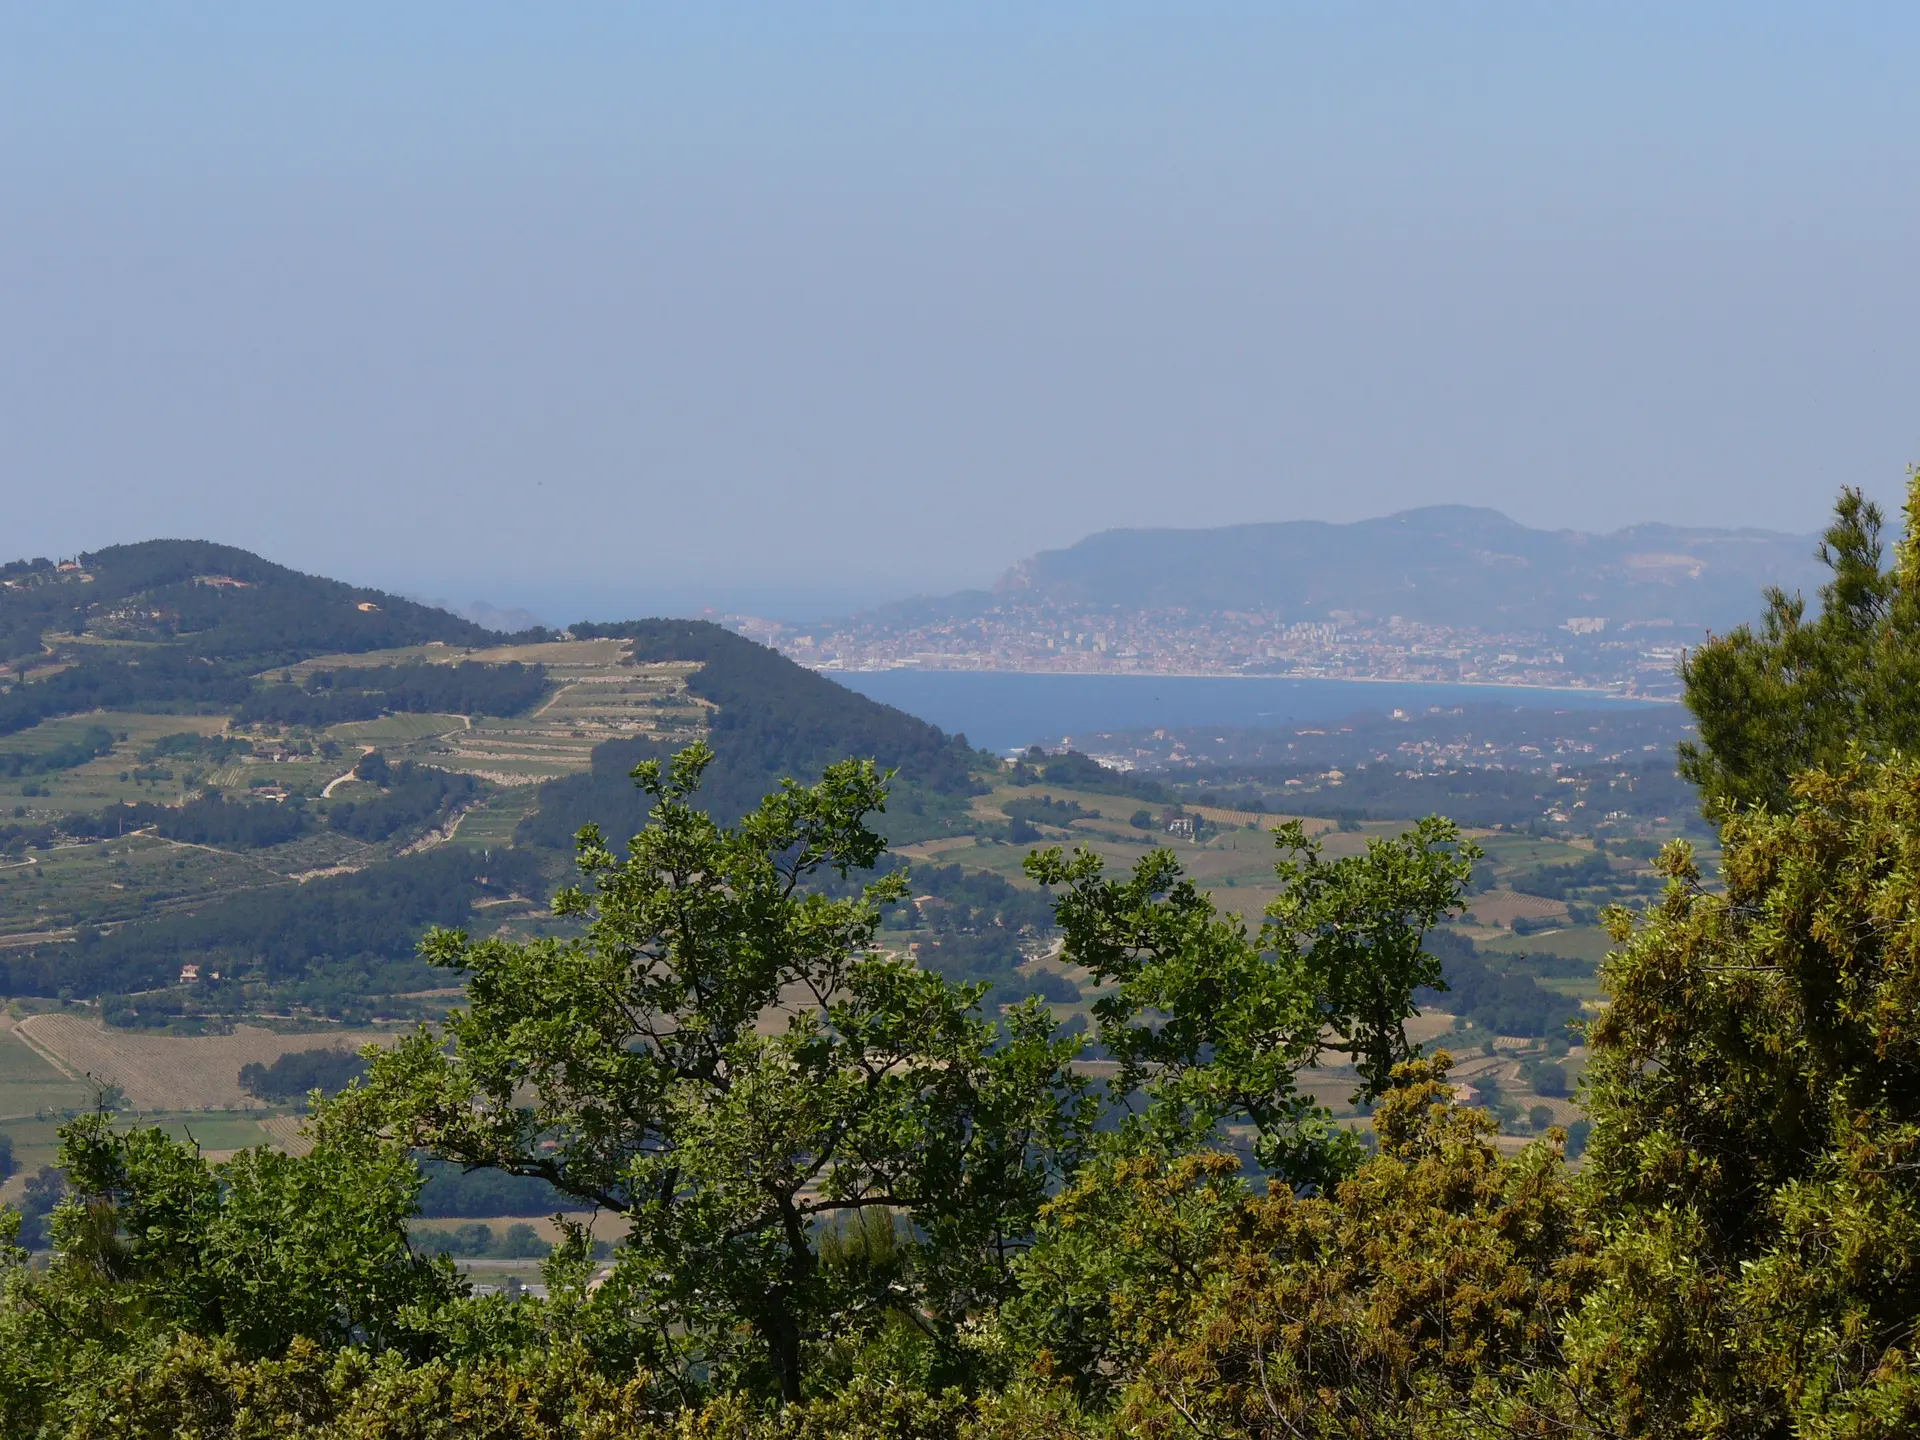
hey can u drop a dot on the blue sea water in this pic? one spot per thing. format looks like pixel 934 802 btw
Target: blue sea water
pixel 1007 710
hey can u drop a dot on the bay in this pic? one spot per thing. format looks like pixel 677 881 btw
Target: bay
pixel 1004 710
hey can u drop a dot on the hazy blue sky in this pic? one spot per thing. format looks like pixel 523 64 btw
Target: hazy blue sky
pixel 620 307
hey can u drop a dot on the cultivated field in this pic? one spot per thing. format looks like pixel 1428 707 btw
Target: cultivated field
pixel 31 1084
pixel 598 695
pixel 172 1072
pixel 1259 819
pixel 100 781
pixel 1500 908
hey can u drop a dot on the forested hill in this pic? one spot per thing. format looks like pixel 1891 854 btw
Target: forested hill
pixel 771 719
pixel 211 603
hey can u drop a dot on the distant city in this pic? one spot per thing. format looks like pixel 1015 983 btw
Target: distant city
pixel 1634 658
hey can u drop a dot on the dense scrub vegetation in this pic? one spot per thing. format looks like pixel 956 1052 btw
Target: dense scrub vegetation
pixel 890 1216
pixel 208 819
pixel 413 796
pixel 327 1068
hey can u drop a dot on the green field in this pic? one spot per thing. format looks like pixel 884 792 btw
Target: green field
pixel 393 730
pixel 123 879
pixel 31 1084
pixel 97 783
pixel 1578 942
pixel 492 821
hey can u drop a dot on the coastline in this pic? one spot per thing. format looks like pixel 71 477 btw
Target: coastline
pixel 1003 709
pixel 1604 692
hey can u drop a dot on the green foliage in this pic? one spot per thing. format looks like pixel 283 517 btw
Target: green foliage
pixel 259 1250
pixel 201 637
pixel 1545 1077
pixel 631 1069
pixel 1073 771
pixel 550 1386
pixel 860 1208
pixel 1755 1088
pixel 1210 1023
pixel 1800 694
pixel 1045 810
pixel 188 745
pixel 1424 1297
pixel 1560 882
pixel 975 926
pixel 520 1242
pixel 39 1198
pixel 451 1190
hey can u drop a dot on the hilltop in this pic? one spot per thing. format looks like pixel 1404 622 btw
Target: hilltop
pixel 214 602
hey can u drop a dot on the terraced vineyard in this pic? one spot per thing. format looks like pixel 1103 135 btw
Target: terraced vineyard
pixel 599 694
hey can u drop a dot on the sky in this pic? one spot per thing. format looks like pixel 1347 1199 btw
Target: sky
pixel 604 309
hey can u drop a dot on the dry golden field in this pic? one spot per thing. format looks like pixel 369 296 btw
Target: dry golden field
pixel 1502 907
pixel 171 1072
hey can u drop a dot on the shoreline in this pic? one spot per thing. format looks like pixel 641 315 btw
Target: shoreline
pixel 1582 690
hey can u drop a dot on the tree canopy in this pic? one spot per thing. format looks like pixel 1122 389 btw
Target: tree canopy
pixel 1799 692
pixel 862 1198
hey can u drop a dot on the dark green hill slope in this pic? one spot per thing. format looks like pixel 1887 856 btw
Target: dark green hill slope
pixel 172 625
pixel 214 602
pixel 773 719
pixel 346 927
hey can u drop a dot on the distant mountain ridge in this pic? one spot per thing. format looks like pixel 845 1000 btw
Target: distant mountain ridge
pixel 1444 564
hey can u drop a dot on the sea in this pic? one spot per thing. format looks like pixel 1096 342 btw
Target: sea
pixel 1005 710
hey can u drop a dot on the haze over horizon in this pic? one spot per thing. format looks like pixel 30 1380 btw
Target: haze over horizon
pixel 644 309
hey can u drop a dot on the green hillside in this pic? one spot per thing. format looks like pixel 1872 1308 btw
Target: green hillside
pixel 210 760
pixel 771 719
pixel 215 602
